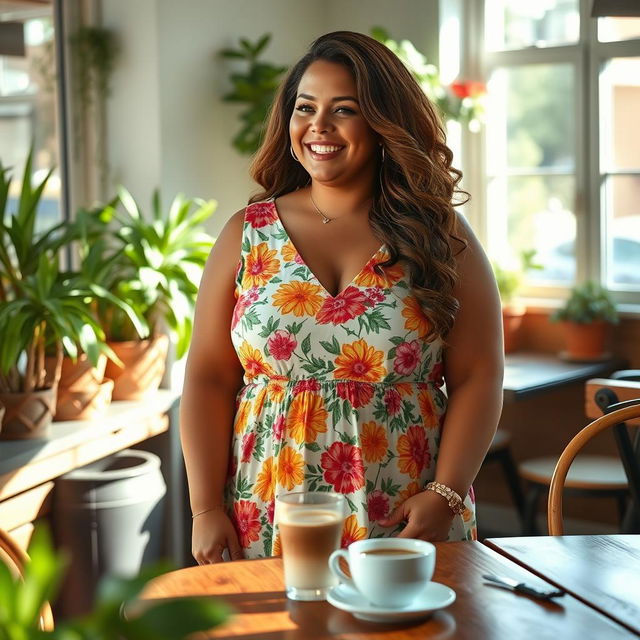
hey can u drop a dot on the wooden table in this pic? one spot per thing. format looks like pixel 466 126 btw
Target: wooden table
pixel 254 588
pixel 601 571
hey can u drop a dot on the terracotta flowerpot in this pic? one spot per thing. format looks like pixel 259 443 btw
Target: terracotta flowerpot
pixel 84 404
pixel 144 364
pixel 27 415
pixel 585 342
pixel 512 316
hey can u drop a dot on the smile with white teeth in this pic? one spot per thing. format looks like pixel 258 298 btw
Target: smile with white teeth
pixel 317 148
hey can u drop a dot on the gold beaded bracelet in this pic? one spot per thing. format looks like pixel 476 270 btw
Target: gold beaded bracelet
pixel 453 498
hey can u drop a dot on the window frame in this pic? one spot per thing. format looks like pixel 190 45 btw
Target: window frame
pixel 588 56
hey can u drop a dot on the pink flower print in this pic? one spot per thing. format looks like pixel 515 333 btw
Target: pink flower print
pixel 278 428
pixel 392 401
pixel 407 358
pixel 345 306
pixel 261 214
pixel 374 295
pixel 436 374
pixel 281 345
pixel 377 505
pixel 310 384
pixel 248 443
pixel 359 394
pixel 243 302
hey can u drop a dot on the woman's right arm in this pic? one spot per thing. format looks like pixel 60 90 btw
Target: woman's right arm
pixel 207 408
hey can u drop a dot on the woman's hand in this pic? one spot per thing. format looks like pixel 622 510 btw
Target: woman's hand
pixel 427 514
pixel 212 533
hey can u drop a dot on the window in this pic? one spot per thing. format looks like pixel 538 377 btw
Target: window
pixel 562 142
pixel 29 101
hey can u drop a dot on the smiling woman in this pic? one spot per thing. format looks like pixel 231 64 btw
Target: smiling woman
pixel 356 293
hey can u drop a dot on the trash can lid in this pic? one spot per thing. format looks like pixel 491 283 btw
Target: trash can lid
pixel 123 464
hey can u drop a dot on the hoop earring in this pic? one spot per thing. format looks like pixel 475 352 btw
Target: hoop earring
pixel 293 153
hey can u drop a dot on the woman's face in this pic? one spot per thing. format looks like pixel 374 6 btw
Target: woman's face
pixel 329 134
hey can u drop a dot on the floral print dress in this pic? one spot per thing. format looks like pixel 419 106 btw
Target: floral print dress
pixel 341 393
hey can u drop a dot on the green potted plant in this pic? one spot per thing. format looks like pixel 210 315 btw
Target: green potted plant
pixel 156 265
pixel 587 316
pixel 115 615
pixel 510 280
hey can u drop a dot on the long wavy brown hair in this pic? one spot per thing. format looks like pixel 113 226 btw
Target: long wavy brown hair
pixel 413 204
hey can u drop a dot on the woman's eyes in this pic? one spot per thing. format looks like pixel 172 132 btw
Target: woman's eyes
pixel 307 108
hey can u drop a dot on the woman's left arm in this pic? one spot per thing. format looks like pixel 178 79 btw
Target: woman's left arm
pixel 473 370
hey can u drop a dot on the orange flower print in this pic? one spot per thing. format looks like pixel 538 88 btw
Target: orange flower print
pixel 351 532
pixel 359 361
pixel 412 489
pixel 429 416
pixel 413 450
pixel 276 390
pixel 242 416
pixel 246 522
pixel 299 298
pixel 253 362
pixel 276 549
pixel 415 319
pixel 307 417
pixel 260 214
pixel 290 468
pixel 343 468
pixel 258 403
pixel 345 306
pixel 265 485
pixel 289 253
pixel 403 388
pixel 373 441
pixel 260 266
pixel 376 276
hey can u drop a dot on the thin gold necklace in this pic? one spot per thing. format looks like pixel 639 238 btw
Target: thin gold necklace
pixel 325 219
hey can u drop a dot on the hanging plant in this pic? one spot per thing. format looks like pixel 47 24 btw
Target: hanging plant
pixel 256 88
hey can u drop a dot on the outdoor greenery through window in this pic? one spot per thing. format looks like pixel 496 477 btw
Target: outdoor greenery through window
pixel 562 143
pixel 28 100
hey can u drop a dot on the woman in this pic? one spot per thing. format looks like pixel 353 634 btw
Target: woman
pixel 330 312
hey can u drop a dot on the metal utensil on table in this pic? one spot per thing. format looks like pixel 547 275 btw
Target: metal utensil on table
pixel 523 587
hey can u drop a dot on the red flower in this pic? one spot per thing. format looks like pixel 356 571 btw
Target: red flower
pixel 349 304
pixel 343 467
pixel 358 394
pixel 374 295
pixel 377 505
pixel 278 427
pixel 248 443
pixel 270 510
pixel 243 302
pixel 261 214
pixel 281 345
pixel 407 357
pixel 436 374
pixel 392 401
pixel 246 522
pixel 309 384
pixel 464 89
pixel 233 467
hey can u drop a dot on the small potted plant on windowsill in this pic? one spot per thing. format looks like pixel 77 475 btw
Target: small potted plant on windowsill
pixel 510 281
pixel 587 316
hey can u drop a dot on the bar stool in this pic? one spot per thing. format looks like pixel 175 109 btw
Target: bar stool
pixel 500 451
pixel 590 475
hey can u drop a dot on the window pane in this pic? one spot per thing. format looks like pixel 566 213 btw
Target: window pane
pixel 620 106
pixel 528 127
pixel 517 24
pixel 538 215
pixel 622 209
pixel 28 107
pixel 612 29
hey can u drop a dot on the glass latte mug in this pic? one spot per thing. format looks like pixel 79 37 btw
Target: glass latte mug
pixel 310 530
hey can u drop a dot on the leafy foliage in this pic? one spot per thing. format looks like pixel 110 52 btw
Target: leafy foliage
pixel 153 264
pixel 21 602
pixel 509 280
pixel 587 303
pixel 461 101
pixel 256 88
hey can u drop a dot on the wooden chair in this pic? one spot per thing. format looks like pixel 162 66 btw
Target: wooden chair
pixel 596 476
pixel 619 414
pixel 15 558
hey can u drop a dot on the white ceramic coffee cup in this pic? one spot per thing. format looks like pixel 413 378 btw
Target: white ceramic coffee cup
pixel 387 580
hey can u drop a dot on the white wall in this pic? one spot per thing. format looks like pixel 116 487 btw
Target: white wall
pixel 166 123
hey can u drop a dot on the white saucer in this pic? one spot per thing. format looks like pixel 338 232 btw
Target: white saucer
pixel 435 596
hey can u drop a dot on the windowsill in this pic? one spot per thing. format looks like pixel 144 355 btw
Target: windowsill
pixel 548 305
